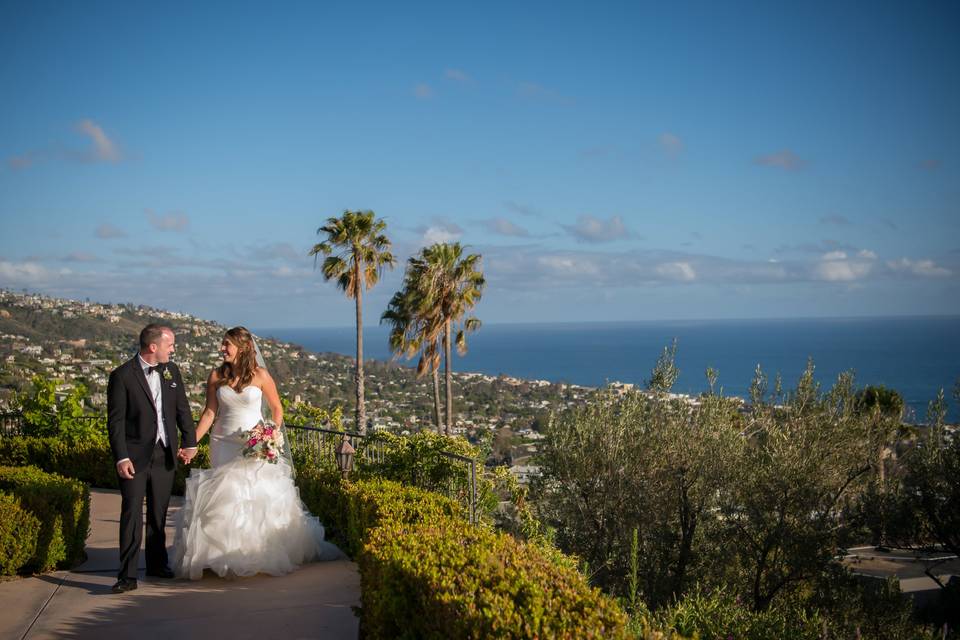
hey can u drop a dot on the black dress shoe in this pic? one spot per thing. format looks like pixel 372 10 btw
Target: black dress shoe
pixel 123 585
pixel 162 572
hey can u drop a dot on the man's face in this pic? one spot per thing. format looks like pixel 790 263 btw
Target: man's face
pixel 164 347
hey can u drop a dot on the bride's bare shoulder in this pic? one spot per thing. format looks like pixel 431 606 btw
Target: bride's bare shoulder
pixel 214 376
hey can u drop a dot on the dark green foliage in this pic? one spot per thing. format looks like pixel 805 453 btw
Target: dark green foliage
pixel 19 530
pixel 756 501
pixel 62 505
pixel 721 615
pixel 447 579
pixel 427 573
pixel 932 482
pixel 90 462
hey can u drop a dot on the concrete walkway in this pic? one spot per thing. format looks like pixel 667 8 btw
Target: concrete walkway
pixel 313 602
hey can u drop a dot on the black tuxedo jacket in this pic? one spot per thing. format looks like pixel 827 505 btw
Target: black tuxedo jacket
pixel 132 418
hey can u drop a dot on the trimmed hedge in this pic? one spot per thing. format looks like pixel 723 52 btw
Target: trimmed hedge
pixel 62 505
pixel 427 573
pixel 19 530
pixel 90 462
pixel 350 510
pixel 448 579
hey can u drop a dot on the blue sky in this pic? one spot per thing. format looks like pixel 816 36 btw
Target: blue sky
pixel 616 161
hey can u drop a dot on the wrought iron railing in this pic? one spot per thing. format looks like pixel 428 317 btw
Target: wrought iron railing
pixel 315 445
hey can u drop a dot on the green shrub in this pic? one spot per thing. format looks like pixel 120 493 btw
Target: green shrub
pixel 720 615
pixel 18 534
pixel 444 578
pixel 418 460
pixel 88 461
pixel 62 505
pixel 426 572
pixel 320 491
pixel 349 510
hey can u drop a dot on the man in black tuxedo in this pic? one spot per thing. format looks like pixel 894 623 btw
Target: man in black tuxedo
pixel 146 406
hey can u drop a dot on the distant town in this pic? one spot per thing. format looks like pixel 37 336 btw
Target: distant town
pixel 79 342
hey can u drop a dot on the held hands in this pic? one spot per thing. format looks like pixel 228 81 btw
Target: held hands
pixel 186 455
pixel 125 469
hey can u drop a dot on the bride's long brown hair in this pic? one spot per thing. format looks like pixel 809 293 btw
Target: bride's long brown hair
pixel 241 370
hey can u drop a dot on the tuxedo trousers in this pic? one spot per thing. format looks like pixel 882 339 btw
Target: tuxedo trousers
pixel 154 484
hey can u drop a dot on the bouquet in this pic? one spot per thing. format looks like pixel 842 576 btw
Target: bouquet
pixel 264 441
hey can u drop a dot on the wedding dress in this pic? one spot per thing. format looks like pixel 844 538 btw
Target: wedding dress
pixel 243 516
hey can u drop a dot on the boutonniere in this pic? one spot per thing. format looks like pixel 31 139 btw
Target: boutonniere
pixel 167 375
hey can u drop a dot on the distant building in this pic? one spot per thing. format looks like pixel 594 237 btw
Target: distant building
pixel 525 472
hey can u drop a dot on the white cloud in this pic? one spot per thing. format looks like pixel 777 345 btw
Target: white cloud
pixel 785 159
pixel 569 265
pixel 841 270
pixel 836 266
pixel 592 229
pixel 835 255
pixel 671 144
pixel 22 273
pixel 423 91
pixel 924 268
pixel 680 271
pixel 104 149
pixel 441 232
pixel 174 221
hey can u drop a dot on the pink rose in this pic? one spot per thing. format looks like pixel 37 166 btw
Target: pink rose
pixel 251 442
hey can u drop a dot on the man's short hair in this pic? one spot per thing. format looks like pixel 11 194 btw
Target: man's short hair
pixel 151 334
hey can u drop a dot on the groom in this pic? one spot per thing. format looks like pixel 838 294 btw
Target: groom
pixel 146 406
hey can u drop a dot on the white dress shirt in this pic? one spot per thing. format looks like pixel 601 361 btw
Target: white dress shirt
pixel 153 381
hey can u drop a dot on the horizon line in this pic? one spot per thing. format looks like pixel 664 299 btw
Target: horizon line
pixel 944 316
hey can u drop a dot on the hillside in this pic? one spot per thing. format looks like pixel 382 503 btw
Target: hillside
pixel 81 342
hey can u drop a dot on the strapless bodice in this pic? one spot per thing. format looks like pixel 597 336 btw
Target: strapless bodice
pixel 237 411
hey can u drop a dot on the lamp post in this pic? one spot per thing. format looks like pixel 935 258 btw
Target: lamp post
pixel 344 455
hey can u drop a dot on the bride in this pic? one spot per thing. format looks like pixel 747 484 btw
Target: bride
pixel 243 516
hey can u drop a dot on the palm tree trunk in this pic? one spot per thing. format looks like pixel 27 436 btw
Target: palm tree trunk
pixel 361 418
pixel 448 375
pixel 436 401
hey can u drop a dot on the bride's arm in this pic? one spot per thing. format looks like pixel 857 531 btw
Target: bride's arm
pixel 269 388
pixel 210 410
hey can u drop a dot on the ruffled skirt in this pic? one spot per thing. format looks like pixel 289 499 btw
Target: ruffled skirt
pixel 245 517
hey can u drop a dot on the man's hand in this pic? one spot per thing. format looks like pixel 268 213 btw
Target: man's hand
pixel 186 455
pixel 125 469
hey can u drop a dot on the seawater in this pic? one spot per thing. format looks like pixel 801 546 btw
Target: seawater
pixel 917 356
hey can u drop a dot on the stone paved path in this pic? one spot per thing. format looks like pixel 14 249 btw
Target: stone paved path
pixel 314 602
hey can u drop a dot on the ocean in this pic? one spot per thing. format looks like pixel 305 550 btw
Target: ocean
pixel 917 356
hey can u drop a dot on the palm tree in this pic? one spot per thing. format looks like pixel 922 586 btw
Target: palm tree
pixel 410 334
pixel 364 252
pixel 448 285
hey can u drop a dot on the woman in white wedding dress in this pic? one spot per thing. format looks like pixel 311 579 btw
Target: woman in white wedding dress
pixel 243 516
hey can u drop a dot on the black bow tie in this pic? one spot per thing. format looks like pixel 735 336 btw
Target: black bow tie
pixel 158 368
